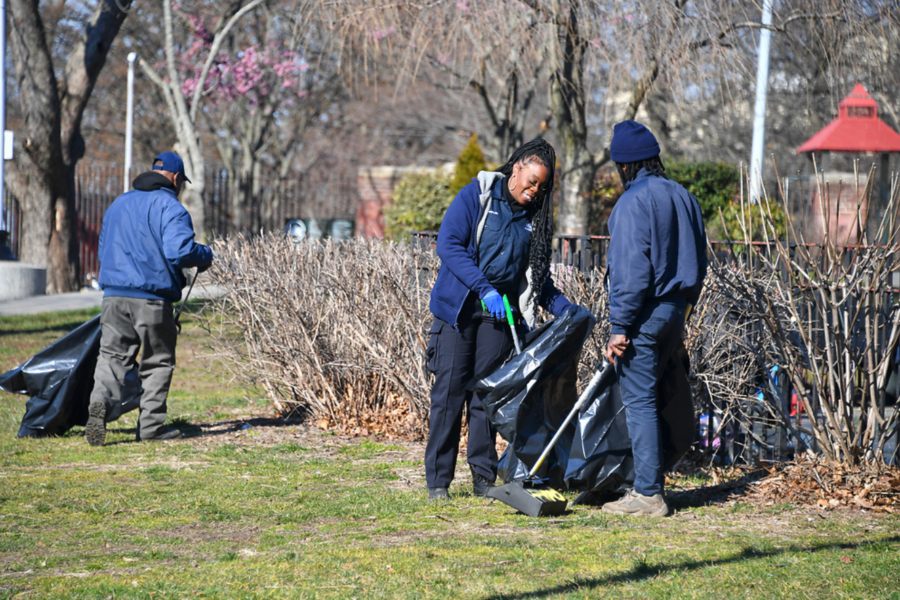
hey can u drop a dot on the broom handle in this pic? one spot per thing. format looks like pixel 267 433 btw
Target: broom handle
pixel 592 385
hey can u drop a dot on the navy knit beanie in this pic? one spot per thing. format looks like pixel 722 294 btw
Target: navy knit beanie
pixel 632 142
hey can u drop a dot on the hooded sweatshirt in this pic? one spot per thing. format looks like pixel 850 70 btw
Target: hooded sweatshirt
pixel 147 238
pixel 459 247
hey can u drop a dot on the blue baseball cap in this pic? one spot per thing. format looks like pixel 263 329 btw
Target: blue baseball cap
pixel 171 162
pixel 632 142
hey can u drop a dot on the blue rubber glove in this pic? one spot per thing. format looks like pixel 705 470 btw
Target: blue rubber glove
pixel 494 303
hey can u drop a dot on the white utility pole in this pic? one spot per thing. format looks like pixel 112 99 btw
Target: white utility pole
pixel 3 219
pixel 759 111
pixel 129 118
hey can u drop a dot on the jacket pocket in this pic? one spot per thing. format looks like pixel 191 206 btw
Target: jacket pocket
pixel 494 221
pixel 432 356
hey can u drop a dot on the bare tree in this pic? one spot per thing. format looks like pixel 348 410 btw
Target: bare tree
pixel 295 81
pixel 53 108
pixel 184 109
pixel 619 51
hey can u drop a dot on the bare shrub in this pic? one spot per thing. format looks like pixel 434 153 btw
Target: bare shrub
pixel 828 318
pixel 338 331
pixel 332 330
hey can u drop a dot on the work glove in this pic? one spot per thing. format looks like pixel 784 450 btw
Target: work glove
pixel 494 304
pixel 205 268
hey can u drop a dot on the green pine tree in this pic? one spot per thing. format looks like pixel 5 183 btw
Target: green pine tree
pixel 468 164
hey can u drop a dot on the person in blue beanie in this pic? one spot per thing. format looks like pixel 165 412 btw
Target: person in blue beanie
pixel 146 239
pixel 494 241
pixel 656 265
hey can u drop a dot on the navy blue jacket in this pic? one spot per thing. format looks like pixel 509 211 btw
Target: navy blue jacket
pixel 505 243
pixel 457 246
pixel 147 237
pixel 657 247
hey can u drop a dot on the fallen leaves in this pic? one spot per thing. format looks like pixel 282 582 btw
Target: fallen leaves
pixel 392 419
pixel 828 485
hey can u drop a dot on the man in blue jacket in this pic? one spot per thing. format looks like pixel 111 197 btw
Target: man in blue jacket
pixel 147 238
pixel 657 262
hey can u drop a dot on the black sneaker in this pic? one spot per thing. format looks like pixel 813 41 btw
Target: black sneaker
pixel 164 434
pixel 480 484
pixel 438 493
pixel 95 430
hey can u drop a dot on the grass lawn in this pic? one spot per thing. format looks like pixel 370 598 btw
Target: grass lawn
pixel 251 507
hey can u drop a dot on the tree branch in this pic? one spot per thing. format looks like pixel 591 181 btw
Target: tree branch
pixel 758 25
pixel 213 51
pixel 154 77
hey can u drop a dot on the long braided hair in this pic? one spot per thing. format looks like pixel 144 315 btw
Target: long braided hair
pixel 539 251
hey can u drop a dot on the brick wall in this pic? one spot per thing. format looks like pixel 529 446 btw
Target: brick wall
pixel 375 185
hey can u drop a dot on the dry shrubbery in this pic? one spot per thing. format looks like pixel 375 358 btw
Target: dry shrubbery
pixel 338 331
pixel 335 331
pixel 825 315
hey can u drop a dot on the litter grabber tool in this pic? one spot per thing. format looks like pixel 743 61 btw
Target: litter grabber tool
pixel 529 495
pixel 512 324
pixel 184 302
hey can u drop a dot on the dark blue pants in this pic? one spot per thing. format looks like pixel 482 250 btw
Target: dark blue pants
pixel 654 338
pixel 455 357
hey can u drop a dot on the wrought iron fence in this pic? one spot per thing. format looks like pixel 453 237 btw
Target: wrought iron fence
pixel 231 204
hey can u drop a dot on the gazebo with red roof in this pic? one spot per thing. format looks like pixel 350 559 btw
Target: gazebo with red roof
pixel 858 130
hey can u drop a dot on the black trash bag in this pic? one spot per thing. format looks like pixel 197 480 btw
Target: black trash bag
pixel 528 397
pixel 601 461
pixel 59 380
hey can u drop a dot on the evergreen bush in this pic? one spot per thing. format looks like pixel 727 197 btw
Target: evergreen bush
pixel 419 202
pixel 717 185
pixel 468 164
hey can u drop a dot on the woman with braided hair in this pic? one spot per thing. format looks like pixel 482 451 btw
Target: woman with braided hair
pixel 494 241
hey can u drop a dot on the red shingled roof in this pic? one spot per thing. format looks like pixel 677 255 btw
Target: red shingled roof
pixel 857 128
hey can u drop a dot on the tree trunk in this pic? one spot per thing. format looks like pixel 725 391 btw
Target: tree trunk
pixel 565 62
pixel 52 138
pixel 192 195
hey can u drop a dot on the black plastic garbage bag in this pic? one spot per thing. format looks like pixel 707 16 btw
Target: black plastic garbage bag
pixel 59 380
pixel 528 397
pixel 600 460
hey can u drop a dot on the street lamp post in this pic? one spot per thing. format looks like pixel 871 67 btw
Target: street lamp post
pixel 3 220
pixel 759 110
pixel 129 118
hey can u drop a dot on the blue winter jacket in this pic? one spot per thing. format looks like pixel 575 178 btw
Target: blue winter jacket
pixel 147 237
pixel 457 246
pixel 657 247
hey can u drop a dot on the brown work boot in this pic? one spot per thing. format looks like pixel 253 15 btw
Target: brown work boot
pixel 636 504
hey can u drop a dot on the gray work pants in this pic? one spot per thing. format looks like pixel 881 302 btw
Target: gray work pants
pixel 129 325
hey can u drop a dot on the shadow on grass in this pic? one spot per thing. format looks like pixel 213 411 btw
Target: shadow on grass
pixel 690 498
pixel 195 430
pixel 643 570
pixel 713 494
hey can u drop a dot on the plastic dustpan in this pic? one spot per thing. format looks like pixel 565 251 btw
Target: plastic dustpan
pixel 530 495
